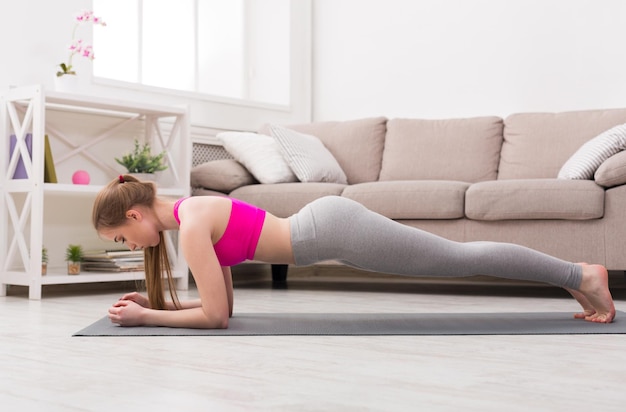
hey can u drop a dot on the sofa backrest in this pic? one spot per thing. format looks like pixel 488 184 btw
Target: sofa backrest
pixel 465 150
pixel 536 145
pixel 357 145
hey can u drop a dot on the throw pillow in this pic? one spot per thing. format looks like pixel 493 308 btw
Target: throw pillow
pixel 307 156
pixel 223 175
pixel 259 154
pixel 584 163
pixel 613 171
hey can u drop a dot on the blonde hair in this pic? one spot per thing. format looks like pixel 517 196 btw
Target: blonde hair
pixel 109 211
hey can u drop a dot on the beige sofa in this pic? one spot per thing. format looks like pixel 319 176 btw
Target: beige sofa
pixel 484 178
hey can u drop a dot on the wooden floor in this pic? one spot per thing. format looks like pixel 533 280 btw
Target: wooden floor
pixel 43 368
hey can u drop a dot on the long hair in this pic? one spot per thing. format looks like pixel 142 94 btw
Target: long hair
pixel 109 211
pixel 156 262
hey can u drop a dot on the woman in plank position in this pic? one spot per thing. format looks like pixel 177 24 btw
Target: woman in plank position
pixel 216 233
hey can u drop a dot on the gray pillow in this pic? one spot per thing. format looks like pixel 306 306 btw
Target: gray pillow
pixel 223 175
pixel 613 171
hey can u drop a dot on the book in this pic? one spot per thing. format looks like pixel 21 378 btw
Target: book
pixel 115 253
pixel 20 169
pixel 95 268
pixel 49 175
pixel 113 261
pixel 49 172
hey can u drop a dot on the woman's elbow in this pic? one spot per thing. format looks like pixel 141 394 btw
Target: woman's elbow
pixel 223 323
pixel 217 321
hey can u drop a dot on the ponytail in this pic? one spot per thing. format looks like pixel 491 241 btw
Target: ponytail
pixel 109 211
pixel 156 261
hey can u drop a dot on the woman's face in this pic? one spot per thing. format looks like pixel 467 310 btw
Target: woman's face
pixel 137 233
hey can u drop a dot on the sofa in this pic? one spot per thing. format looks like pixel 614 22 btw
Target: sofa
pixel 555 182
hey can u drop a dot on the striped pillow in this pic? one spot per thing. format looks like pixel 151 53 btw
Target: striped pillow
pixel 307 157
pixel 584 163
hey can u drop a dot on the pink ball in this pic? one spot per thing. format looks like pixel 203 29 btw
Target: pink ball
pixel 80 177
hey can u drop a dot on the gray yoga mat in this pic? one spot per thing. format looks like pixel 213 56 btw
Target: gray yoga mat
pixel 367 324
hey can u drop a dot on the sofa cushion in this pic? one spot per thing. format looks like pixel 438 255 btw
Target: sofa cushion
pixel 260 154
pixel 411 199
pixel 537 145
pixel 584 163
pixel 457 149
pixel 535 199
pixel 357 145
pixel 613 171
pixel 307 156
pixel 285 199
pixel 200 191
pixel 222 175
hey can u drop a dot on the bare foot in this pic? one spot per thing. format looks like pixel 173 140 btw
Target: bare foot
pixel 588 309
pixel 594 289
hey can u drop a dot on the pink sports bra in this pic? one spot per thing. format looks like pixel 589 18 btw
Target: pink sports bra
pixel 242 233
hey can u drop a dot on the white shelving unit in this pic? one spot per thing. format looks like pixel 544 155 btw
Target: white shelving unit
pixel 85 133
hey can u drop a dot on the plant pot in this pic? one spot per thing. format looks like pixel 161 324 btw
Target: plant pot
pixel 150 177
pixel 68 83
pixel 73 268
pixel 44 268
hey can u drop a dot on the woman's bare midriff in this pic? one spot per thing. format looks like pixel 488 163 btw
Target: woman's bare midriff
pixel 275 242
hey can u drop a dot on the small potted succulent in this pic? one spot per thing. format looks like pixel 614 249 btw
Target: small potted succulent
pixel 142 163
pixel 73 256
pixel 44 261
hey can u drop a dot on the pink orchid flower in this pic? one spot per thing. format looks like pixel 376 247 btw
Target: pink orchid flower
pixel 77 46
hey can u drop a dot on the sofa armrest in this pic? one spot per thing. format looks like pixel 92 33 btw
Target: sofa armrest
pixel 612 172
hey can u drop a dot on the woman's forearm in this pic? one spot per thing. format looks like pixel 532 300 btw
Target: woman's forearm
pixel 193 317
pixel 187 304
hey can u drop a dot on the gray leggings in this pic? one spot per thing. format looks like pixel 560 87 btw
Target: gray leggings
pixel 336 228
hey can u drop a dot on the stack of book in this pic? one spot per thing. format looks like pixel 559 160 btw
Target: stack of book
pixel 113 261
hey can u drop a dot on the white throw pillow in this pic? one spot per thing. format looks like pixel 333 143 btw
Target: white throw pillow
pixel 307 156
pixel 584 163
pixel 259 154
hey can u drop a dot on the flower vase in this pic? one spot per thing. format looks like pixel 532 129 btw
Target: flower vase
pixel 68 83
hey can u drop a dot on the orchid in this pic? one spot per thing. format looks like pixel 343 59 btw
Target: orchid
pixel 78 46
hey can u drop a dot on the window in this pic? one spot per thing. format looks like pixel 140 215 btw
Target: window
pixel 228 48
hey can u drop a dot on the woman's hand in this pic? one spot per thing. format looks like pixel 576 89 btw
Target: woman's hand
pixel 137 298
pixel 127 313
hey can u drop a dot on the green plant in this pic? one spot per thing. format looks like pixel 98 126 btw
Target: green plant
pixel 141 160
pixel 74 253
pixel 44 255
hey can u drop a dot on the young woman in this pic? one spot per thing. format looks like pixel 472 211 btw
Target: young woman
pixel 218 232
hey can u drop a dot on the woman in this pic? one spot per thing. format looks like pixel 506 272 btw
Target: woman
pixel 218 232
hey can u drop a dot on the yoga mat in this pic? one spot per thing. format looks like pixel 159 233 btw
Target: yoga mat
pixel 367 324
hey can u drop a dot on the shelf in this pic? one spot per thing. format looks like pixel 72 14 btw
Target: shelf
pixel 53 278
pixel 90 103
pixel 67 189
pixel 58 277
pixel 84 133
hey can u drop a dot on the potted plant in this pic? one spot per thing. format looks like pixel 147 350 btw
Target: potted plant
pixel 78 47
pixel 73 256
pixel 44 261
pixel 66 78
pixel 142 162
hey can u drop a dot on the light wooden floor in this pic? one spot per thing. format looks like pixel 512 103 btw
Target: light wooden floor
pixel 43 368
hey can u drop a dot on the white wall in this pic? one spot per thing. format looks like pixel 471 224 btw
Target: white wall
pixel 34 35
pixel 457 58
pixel 397 58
